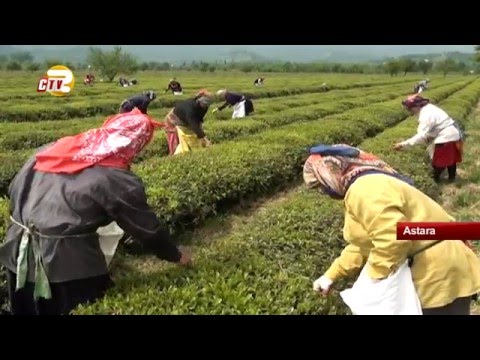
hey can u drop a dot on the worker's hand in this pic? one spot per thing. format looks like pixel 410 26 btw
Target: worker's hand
pixel 398 146
pixel 323 285
pixel 214 111
pixel 206 142
pixel 186 259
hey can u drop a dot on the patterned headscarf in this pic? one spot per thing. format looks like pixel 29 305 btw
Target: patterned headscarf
pixel 415 101
pixel 204 97
pixel 335 168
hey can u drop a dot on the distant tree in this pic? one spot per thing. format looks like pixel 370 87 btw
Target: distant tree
pixel 13 65
pixel 477 53
pixel 267 69
pixel 144 66
pixel 355 69
pixel 406 66
pixel 288 67
pixel 70 65
pixel 212 68
pixel 110 63
pixel 33 67
pixel 204 66
pixel 446 66
pixel 21 57
pixel 164 66
pixel 461 67
pixel 247 68
pixel 336 68
pixel 52 62
pixel 425 66
pixel 392 67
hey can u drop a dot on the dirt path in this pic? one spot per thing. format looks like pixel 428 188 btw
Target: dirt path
pixel 462 199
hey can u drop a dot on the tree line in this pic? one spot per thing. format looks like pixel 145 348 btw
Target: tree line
pixel 110 64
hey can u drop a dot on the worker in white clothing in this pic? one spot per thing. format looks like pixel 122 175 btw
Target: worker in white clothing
pixel 440 131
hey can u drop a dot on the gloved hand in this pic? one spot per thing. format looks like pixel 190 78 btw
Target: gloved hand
pixel 322 285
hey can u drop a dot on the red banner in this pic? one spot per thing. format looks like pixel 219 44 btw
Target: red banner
pixel 438 231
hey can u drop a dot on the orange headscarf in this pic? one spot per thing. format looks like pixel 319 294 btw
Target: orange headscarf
pixel 115 144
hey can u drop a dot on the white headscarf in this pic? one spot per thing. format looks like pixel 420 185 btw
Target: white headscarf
pixel 221 93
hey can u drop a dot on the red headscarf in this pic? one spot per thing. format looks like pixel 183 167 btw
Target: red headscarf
pixel 115 144
pixel 415 101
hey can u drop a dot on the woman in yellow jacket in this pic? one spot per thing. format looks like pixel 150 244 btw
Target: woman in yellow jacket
pixel 376 198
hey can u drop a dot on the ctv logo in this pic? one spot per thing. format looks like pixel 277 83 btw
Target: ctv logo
pixel 58 81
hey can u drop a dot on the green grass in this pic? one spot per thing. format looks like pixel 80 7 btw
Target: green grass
pixel 260 263
pixel 267 264
pixel 104 98
pixel 15 144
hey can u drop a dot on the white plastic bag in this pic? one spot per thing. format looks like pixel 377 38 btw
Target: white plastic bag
pixel 109 236
pixel 239 110
pixel 395 295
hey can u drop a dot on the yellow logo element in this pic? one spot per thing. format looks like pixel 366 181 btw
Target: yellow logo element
pixel 58 81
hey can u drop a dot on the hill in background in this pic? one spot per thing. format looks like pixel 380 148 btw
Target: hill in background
pixel 253 53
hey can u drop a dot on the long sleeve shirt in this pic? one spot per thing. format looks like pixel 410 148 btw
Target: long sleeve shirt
pixel 434 124
pixel 61 205
pixel 231 99
pixel 139 101
pixel 191 115
pixel 441 274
